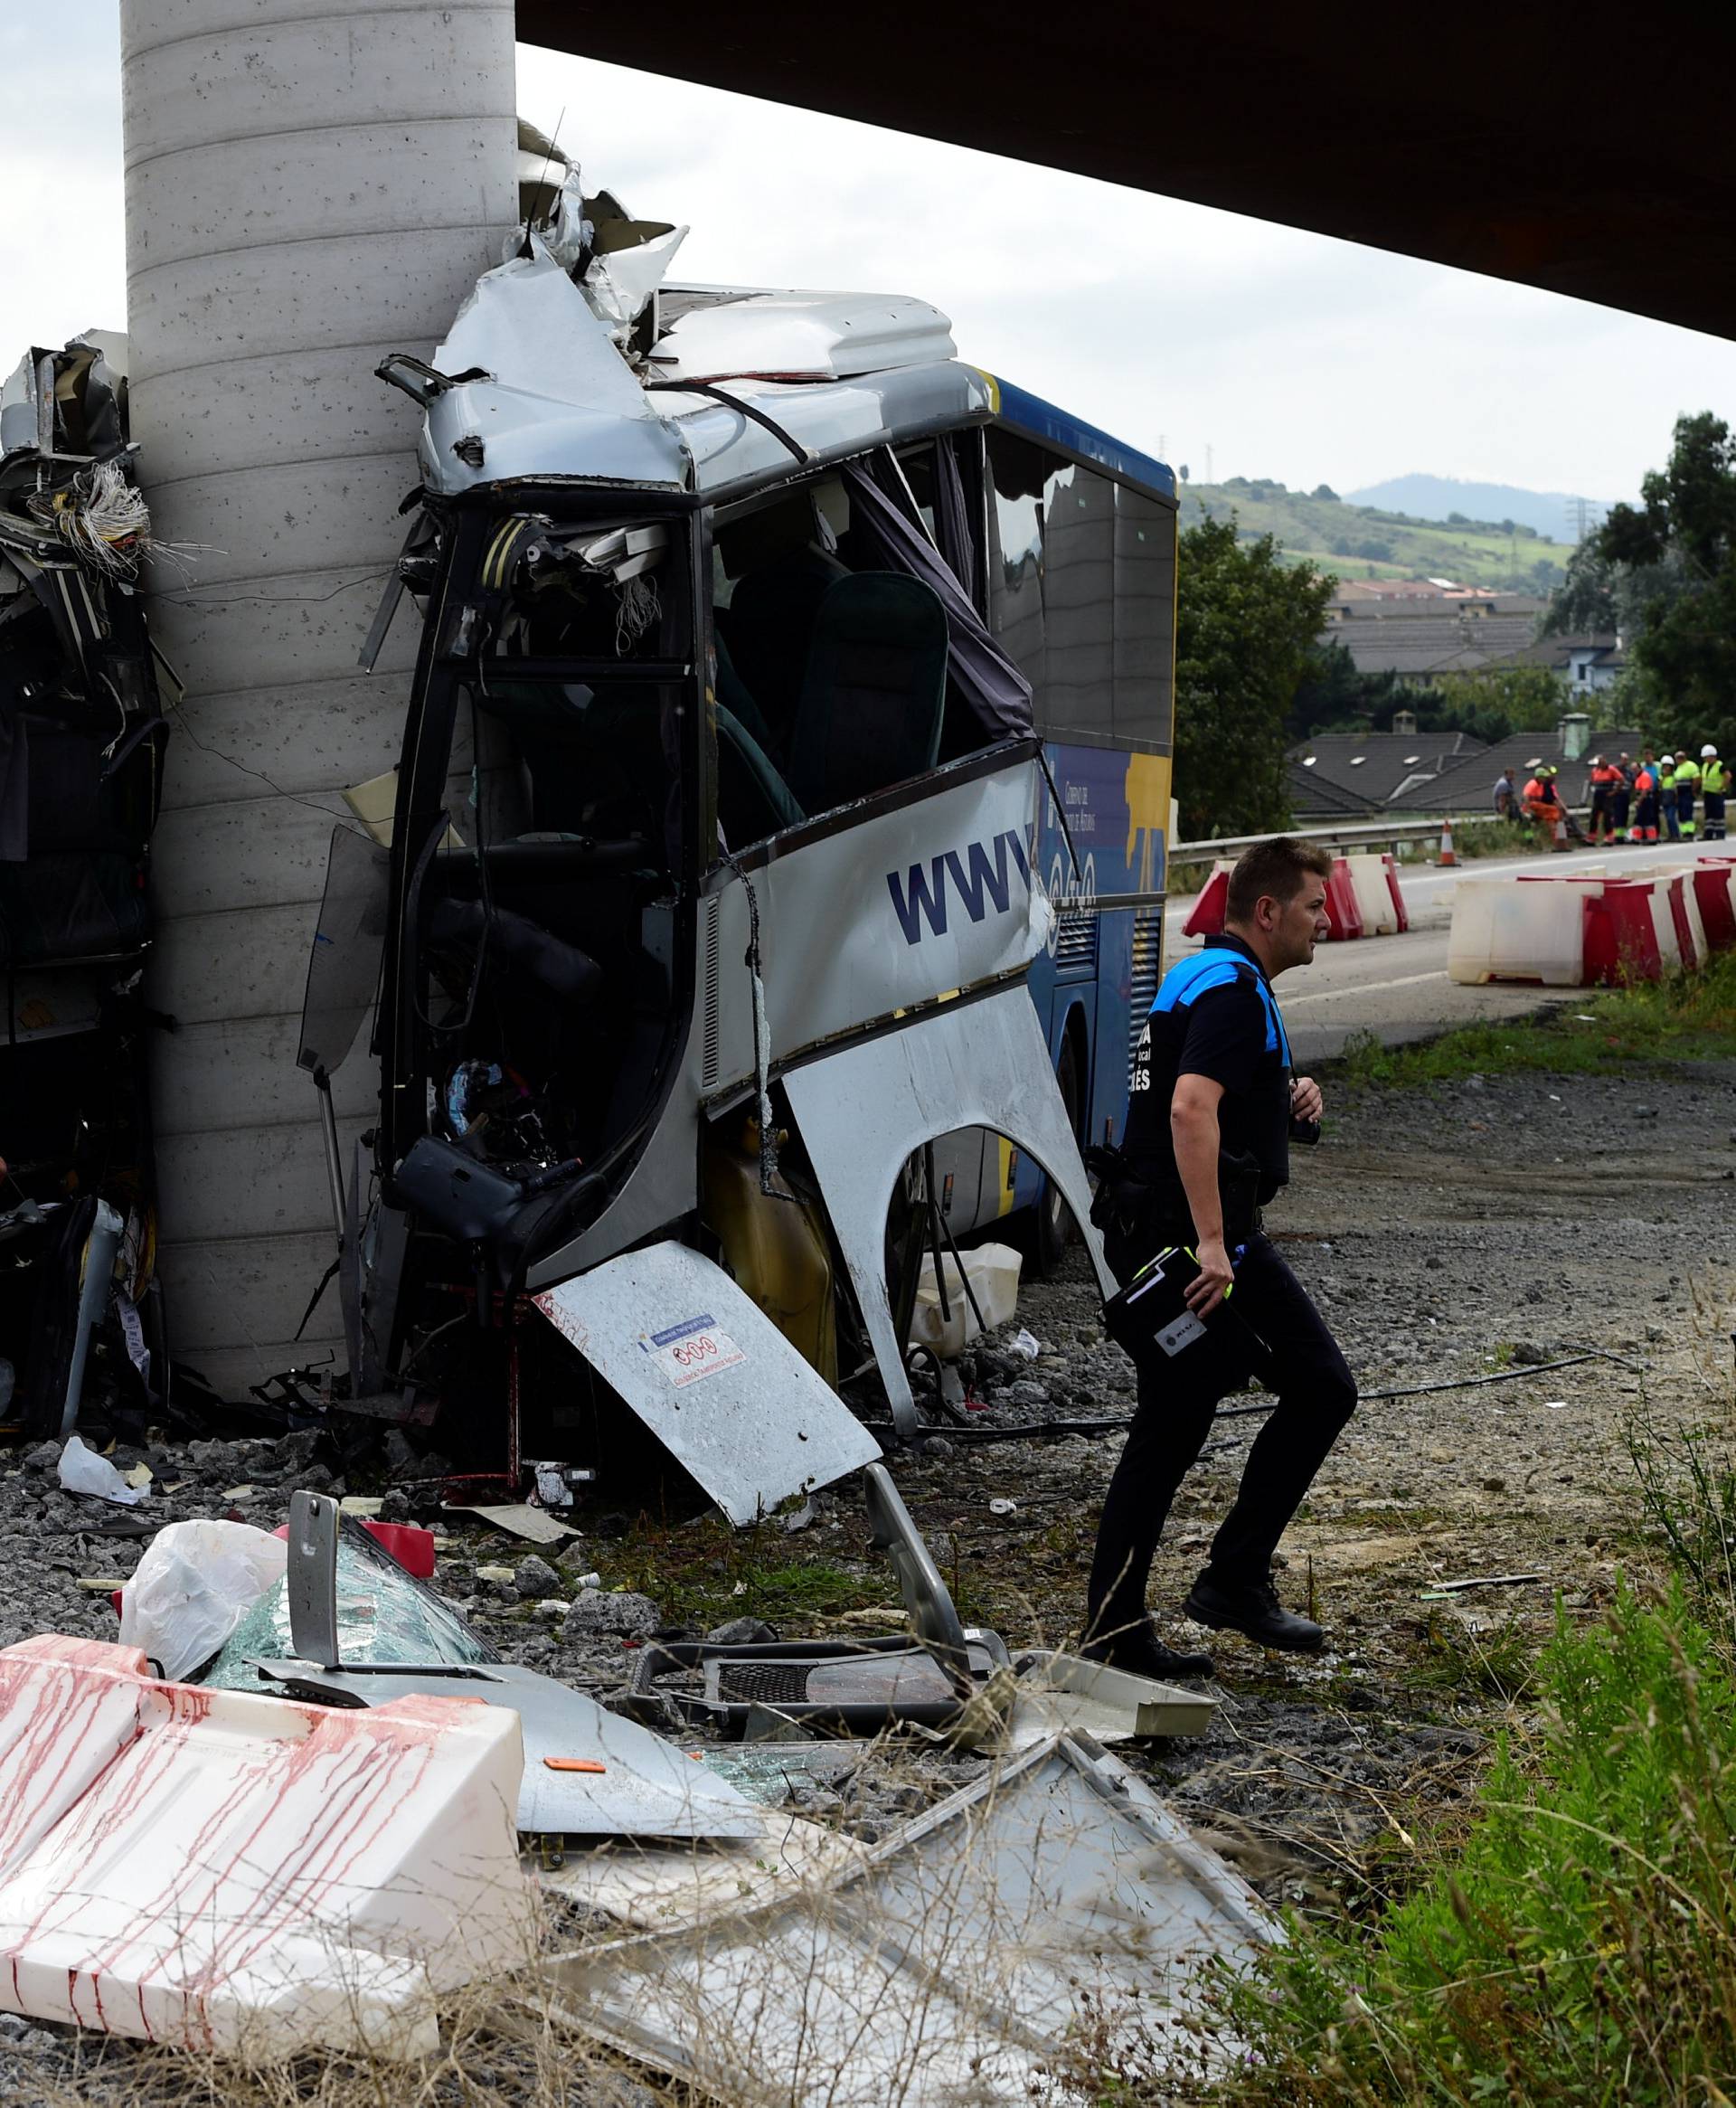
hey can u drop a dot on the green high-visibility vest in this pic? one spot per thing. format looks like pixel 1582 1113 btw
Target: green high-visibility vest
pixel 1715 778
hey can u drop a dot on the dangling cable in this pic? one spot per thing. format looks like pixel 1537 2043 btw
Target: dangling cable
pixel 761 1039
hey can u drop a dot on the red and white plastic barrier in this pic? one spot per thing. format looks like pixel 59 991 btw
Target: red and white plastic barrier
pixel 1205 917
pixel 248 1875
pixel 1375 884
pixel 1363 900
pixel 1583 930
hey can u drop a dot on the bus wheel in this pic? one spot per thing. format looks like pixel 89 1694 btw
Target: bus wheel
pixel 1054 1230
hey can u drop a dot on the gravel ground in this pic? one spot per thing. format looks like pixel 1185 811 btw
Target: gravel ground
pixel 1446 1232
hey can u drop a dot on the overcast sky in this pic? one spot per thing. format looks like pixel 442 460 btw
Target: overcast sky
pixel 1176 327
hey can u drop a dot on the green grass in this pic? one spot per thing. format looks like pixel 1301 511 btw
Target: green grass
pixel 1309 528
pixel 703 1571
pixel 1581 1946
pixel 1688 1017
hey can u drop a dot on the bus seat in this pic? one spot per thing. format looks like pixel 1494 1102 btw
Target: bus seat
pixel 874 689
pixel 734 695
pixel 771 622
pixel 752 798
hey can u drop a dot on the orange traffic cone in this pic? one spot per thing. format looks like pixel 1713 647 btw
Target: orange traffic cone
pixel 1560 841
pixel 1447 858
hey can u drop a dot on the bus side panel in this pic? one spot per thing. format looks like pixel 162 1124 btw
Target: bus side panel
pixel 1117 809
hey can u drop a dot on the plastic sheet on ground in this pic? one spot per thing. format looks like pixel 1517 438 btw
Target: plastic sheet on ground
pixel 193 1585
pixel 245 1874
pixel 954 1964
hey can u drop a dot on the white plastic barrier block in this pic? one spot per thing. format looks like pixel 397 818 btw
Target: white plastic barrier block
pixel 248 1876
pixel 1518 930
pixel 1374 900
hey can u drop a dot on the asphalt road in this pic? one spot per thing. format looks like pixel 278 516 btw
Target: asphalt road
pixel 1397 987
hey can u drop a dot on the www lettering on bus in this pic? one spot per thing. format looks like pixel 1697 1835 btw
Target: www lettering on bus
pixel 979 879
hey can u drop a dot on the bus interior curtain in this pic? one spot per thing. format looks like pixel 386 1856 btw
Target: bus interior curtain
pixel 992 689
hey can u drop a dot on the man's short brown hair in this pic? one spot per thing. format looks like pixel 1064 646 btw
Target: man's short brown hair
pixel 1280 868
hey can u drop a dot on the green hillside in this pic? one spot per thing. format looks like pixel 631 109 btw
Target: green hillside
pixel 1358 541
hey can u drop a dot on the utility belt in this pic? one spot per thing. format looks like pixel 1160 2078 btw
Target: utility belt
pixel 1138 1209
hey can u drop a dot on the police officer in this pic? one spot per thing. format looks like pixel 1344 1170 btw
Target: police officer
pixel 1209 1120
pixel 1714 785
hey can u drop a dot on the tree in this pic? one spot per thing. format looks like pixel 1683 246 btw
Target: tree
pixel 1669 566
pixel 1495 704
pixel 1246 623
pixel 1334 696
pixel 1326 491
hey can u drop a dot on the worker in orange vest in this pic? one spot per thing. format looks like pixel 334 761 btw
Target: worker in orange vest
pixel 1605 780
pixel 1645 826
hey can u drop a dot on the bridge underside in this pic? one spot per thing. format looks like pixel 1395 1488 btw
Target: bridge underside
pixel 1588 153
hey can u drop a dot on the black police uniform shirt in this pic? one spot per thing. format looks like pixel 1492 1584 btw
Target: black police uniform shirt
pixel 1214 1014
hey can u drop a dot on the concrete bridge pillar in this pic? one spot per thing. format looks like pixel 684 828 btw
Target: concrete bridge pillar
pixel 308 186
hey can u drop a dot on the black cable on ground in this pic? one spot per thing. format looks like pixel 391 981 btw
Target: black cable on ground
pixel 1044 1430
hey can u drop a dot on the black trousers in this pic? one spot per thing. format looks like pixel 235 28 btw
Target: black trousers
pixel 1270 1330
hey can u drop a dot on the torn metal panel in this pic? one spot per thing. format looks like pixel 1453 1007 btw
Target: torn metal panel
pixel 711 1375
pixel 365 1633
pixel 665 1889
pixel 1055 1894
pixel 971 1065
pixel 1064 1693
pixel 944 899
pixel 588 1772
pixel 530 372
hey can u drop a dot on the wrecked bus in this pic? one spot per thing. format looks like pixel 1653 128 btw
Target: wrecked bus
pixel 716 866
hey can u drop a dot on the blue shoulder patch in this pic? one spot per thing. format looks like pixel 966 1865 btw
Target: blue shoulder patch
pixel 1196 974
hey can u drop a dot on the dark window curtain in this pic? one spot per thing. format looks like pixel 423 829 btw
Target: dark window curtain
pixel 952 512
pixel 990 686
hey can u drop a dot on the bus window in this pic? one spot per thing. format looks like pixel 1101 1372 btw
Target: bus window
pixel 1081 592
pixel 1015 558
pixel 1078 596
pixel 1145 615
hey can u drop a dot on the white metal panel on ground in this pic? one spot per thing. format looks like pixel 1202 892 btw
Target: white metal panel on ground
pixel 1055 1894
pixel 246 1874
pixel 711 1375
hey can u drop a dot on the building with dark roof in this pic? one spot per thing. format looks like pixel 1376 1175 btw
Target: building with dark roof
pixel 1469 786
pixel 1420 647
pixel 1374 766
pixel 1587 664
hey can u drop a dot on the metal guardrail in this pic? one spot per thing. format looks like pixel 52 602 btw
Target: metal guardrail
pixel 1364 835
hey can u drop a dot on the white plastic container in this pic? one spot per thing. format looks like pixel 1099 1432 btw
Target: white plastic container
pixel 1519 930
pixel 993 1271
pixel 1373 895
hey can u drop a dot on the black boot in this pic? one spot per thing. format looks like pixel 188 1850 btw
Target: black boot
pixel 1251 1607
pixel 1140 1652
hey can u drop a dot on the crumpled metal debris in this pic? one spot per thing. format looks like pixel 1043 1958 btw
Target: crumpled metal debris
pixel 1054 1896
pixel 616 262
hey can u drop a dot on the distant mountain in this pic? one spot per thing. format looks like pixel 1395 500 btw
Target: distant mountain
pixel 1434 497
